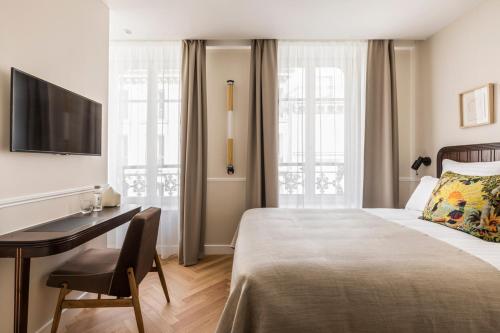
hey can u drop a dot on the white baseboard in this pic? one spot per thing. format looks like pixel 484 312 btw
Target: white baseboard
pixel 218 249
pixel 48 325
pixel 210 249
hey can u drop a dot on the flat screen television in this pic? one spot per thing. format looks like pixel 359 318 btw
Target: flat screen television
pixel 46 118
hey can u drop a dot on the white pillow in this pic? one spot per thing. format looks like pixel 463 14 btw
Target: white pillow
pixel 422 194
pixel 472 168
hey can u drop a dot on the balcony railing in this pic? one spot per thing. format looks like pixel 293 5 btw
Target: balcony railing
pixel 328 178
pixel 135 181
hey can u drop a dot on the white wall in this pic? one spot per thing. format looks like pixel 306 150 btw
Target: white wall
pixel 64 42
pixel 464 55
pixel 226 194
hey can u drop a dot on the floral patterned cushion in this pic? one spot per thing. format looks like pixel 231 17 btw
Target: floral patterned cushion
pixel 467 203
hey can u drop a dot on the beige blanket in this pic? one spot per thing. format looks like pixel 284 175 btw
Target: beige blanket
pixel 350 271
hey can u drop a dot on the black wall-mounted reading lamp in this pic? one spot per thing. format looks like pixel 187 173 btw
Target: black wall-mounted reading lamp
pixel 419 161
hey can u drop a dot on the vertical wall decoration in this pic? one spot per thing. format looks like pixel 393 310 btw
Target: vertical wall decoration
pixel 229 104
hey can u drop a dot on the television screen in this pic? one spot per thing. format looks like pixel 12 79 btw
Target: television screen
pixel 50 119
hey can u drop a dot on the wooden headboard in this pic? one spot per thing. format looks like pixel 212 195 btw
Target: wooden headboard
pixel 482 152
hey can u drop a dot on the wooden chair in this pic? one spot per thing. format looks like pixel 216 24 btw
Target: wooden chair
pixel 112 272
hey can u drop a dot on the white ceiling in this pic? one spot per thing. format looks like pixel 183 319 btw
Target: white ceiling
pixel 283 19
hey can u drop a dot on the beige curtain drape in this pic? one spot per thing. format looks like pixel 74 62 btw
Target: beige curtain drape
pixel 262 163
pixel 381 164
pixel 193 159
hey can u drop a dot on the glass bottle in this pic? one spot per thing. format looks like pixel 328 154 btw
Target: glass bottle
pixel 97 198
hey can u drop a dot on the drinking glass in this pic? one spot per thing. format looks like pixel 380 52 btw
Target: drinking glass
pixel 86 206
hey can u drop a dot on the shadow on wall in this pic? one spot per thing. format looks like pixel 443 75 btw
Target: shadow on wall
pixel 4 109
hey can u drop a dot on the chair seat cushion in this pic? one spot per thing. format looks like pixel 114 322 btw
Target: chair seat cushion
pixel 90 271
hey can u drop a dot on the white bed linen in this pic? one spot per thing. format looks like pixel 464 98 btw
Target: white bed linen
pixel 486 251
pixel 422 193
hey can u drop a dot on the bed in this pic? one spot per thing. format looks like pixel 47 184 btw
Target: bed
pixel 370 270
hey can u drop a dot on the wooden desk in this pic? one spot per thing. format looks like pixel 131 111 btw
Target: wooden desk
pixel 50 238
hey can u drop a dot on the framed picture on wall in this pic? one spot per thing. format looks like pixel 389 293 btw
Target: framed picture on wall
pixel 476 106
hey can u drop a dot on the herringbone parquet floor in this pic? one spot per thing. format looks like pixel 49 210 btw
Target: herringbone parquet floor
pixel 198 294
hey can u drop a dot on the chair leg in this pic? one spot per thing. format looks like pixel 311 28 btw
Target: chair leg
pixel 135 299
pixel 162 276
pixel 57 314
pixel 98 296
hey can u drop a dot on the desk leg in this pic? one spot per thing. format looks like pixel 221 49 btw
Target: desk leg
pixel 21 292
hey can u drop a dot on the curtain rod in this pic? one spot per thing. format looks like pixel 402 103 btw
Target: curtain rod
pixel 212 44
pixel 245 44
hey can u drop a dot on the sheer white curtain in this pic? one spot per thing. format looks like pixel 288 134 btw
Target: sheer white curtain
pixel 143 136
pixel 321 123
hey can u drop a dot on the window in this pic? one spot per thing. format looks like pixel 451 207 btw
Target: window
pixel 321 94
pixel 143 135
pixel 144 113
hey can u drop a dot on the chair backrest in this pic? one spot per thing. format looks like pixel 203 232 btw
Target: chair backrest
pixel 138 250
